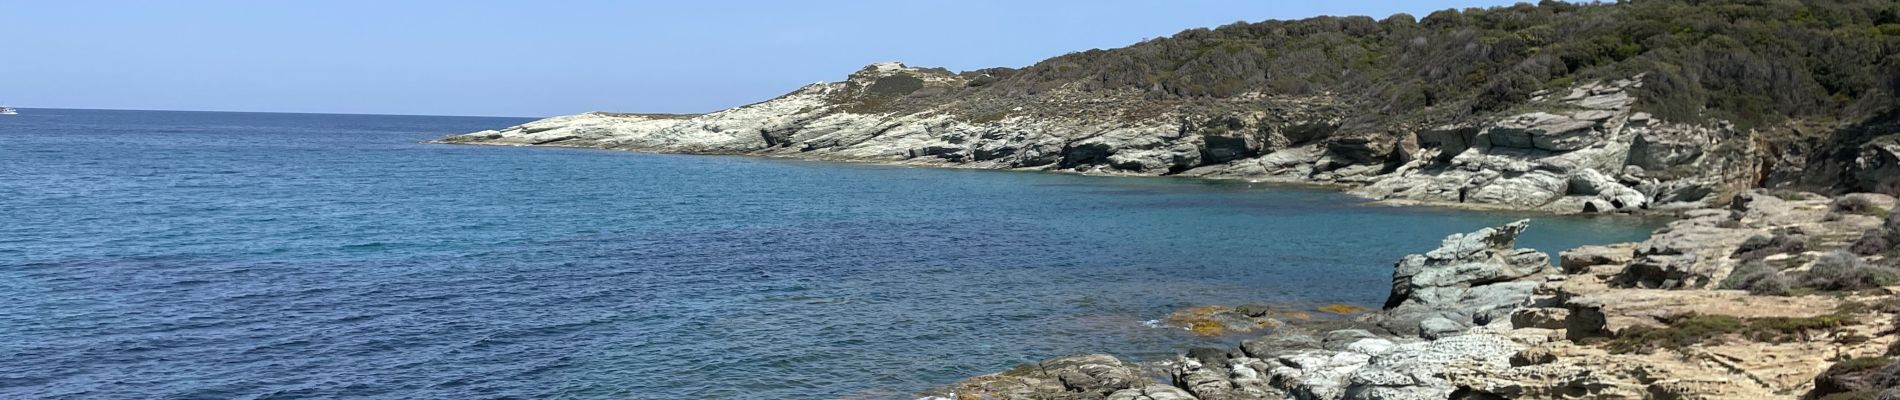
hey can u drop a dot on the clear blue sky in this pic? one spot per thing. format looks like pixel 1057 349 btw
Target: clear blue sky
pixel 522 58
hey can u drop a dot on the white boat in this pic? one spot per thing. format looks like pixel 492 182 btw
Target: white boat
pixel 8 111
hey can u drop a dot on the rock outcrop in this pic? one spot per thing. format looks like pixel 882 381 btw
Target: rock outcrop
pixel 1552 106
pixel 1593 156
pixel 1470 280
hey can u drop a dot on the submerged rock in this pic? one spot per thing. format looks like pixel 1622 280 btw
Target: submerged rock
pixel 1224 320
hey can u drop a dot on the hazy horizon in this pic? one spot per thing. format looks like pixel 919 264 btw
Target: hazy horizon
pixel 499 59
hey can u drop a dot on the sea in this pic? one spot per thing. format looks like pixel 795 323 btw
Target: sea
pixel 210 255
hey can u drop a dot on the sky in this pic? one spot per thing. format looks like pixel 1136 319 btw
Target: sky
pixel 524 58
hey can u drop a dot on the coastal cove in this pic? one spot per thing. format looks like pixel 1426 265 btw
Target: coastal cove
pixel 243 255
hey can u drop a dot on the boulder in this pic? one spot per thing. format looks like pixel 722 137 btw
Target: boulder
pixel 1091 376
pixel 1529 190
pixel 1224 379
pixel 1448 140
pixel 1860 375
pixel 1223 320
pixel 1695 251
pixel 1357 149
pixel 1420 370
pixel 1877 167
pixel 1094 373
pixel 1579 260
pixel 1663 147
pixel 1590 182
pixel 1151 392
pixel 1470 279
pixel 1544 131
pixel 1439 327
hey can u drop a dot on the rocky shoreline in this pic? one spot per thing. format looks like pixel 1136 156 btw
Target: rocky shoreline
pixel 1475 318
pixel 1478 318
pixel 1591 153
pixel 1583 149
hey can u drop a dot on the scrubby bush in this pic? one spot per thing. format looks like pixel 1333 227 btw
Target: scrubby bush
pixel 1879 240
pixel 1870 243
pixel 1758 278
pixel 1889 376
pixel 1762 246
pixel 1841 270
pixel 1688 330
pixel 1857 204
pixel 1746 61
pixel 1856 378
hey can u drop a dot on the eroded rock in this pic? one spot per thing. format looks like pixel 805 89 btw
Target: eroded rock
pixel 1470 279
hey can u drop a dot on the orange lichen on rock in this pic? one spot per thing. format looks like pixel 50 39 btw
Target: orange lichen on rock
pixel 1341 309
pixel 1219 320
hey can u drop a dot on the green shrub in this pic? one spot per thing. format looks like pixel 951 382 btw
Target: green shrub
pixel 1871 242
pixel 1762 246
pixel 1682 333
pixel 1841 270
pixel 1853 378
pixel 1746 61
pixel 1856 204
pixel 1695 329
pixel 1759 278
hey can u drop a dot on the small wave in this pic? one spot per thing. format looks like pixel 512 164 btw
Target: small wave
pixel 365 246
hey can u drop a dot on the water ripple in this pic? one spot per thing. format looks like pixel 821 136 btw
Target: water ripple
pixel 277 256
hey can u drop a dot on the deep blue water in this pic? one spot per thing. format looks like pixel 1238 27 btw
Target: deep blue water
pixel 240 255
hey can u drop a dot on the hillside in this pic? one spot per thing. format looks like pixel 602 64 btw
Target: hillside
pixel 1658 104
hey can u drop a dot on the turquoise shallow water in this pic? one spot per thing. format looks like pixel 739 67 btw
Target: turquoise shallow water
pixel 233 255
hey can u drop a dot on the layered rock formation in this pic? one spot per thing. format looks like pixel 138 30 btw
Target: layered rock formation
pixel 1592 156
pixel 1470 280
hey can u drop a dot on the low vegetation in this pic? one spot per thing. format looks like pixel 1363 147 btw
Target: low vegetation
pixel 1867 378
pixel 1341 309
pixel 1842 270
pixel 1759 278
pixel 1762 246
pixel 1857 205
pixel 1879 241
pixel 1693 329
pixel 1749 61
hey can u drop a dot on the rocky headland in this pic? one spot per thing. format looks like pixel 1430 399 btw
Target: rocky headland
pixel 1591 152
pixel 1771 131
pixel 1599 108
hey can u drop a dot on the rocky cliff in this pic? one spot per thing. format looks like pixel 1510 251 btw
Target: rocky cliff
pixel 1561 107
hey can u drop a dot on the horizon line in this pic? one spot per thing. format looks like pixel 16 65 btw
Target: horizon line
pixel 278 112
